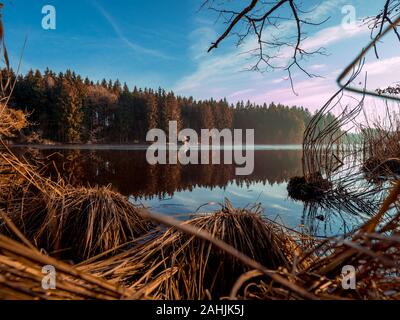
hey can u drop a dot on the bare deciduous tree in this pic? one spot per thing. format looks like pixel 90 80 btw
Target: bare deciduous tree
pixel 281 50
pixel 264 20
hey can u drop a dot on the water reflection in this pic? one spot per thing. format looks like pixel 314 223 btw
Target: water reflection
pixel 179 189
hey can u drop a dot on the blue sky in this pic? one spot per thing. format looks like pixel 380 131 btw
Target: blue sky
pixel 164 43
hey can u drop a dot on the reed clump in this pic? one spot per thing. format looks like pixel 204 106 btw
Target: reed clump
pixel 313 187
pixel 373 257
pixel 382 154
pixel 74 223
pixel 377 168
pixel 381 148
pixel 175 265
pixel 82 222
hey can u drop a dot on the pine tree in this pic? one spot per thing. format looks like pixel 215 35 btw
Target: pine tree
pixel 70 107
pixel 151 111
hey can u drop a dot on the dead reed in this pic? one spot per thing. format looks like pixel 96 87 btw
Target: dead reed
pixel 72 223
pixel 12 121
pixel 81 223
pixel 333 160
pixel 381 149
pixel 373 251
pixel 21 277
pixel 176 265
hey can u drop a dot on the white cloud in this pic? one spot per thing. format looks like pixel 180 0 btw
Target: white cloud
pixel 279 80
pixel 324 8
pixel 279 207
pixel 311 93
pixel 318 66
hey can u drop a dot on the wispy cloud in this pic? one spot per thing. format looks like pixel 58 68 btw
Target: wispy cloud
pixel 332 35
pixel 318 66
pixel 279 80
pixel 324 8
pixel 240 93
pixel 201 39
pixel 311 93
pixel 134 46
pixel 380 74
pixel 384 67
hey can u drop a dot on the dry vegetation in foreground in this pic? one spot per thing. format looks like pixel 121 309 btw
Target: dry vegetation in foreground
pixel 126 252
pixel 175 265
pixel 73 223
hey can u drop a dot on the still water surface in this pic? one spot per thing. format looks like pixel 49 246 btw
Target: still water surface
pixel 180 190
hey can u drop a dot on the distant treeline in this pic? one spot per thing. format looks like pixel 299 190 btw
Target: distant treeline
pixel 65 107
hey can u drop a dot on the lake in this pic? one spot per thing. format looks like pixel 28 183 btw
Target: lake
pixel 181 190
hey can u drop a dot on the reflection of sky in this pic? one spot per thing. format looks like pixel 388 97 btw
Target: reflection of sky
pixel 273 199
pixel 134 178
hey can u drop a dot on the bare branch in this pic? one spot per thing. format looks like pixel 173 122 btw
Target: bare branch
pixel 233 23
pixel 260 19
pixel 377 24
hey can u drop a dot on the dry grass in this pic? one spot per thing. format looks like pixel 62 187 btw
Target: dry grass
pixel 374 252
pixel 81 223
pixel 382 150
pixel 12 121
pixel 71 223
pixel 175 265
pixel 21 277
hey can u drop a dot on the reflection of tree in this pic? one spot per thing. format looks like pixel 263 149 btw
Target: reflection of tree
pixel 130 174
pixel 272 167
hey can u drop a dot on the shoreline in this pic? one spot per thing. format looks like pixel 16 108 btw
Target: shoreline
pixel 140 147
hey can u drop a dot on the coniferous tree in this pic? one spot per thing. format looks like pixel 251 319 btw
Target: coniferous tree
pixel 70 108
pixel 66 108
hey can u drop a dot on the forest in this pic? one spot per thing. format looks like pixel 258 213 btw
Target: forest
pixel 67 108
